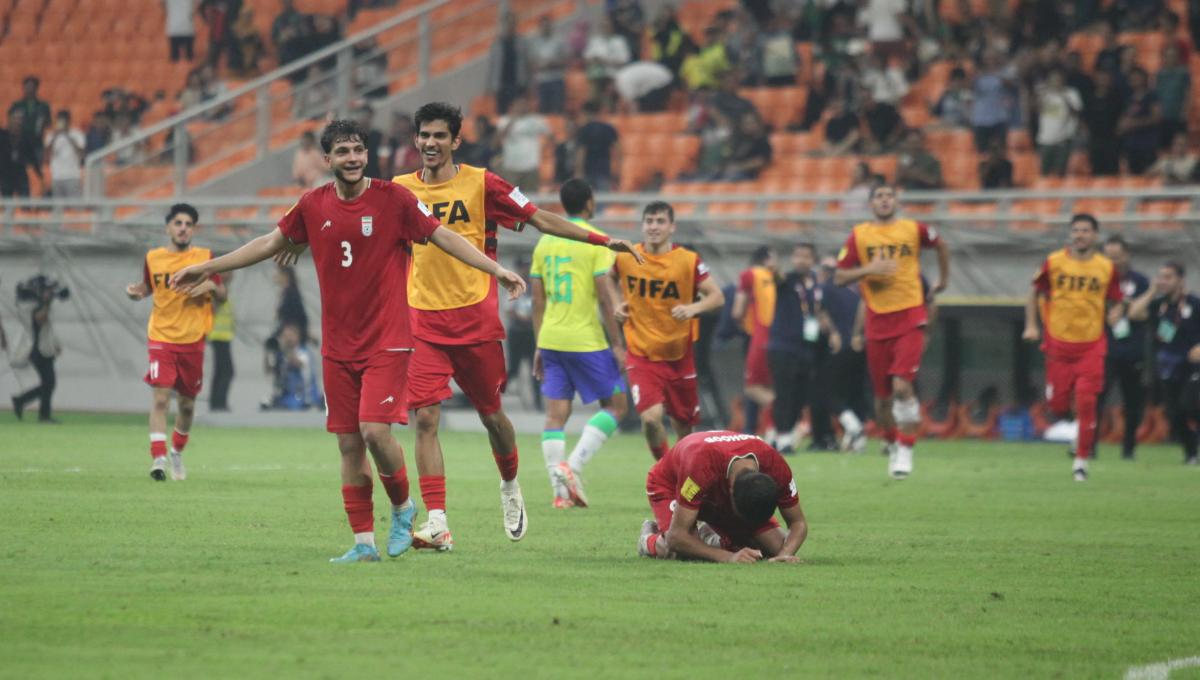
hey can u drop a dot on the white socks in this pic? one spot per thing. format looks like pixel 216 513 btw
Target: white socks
pixel 849 421
pixel 554 449
pixel 589 443
pixel 365 538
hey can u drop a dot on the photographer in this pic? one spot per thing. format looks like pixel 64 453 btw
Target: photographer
pixel 38 345
pixel 1174 317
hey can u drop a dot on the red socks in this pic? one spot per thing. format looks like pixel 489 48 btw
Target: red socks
pixel 909 440
pixel 178 440
pixel 158 445
pixel 507 465
pixel 433 492
pixel 396 485
pixel 889 435
pixel 359 508
pixel 658 451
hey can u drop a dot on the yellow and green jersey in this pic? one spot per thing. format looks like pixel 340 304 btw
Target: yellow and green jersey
pixel 568 270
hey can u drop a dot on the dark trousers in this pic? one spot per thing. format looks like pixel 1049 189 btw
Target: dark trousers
pixel 1128 376
pixel 843 378
pixel 1179 396
pixel 791 373
pixel 43 392
pixel 218 395
pixel 521 346
pixel 182 46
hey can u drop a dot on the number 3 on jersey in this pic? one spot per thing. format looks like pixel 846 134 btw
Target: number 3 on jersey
pixel 347 256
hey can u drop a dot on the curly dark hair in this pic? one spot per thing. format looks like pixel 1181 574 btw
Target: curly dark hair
pixel 440 111
pixel 341 131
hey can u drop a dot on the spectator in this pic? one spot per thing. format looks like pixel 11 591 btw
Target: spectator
pixel 992 102
pixel 995 170
pixel 1037 22
pixel 65 152
pixel 217 16
pixel 522 134
pixel 916 168
pixel 857 199
pixel 644 86
pixel 953 108
pixel 727 99
pixel 1101 116
pixel 192 93
pixel 842 131
pixel 508 65
pixel 289 33
pixel 775 55
pixel 1169 30
pixel 1178 166
pixel 1173 85
pixel 750 152
pixel 295 372
pixel 1138 128
pixel 480 151
pixel 549 57
pixel 39 345
pixel 670 45
pixel 290 310
pixel 1109 56
pixel 886 83
pixel 219 339
pixel 1058 120
pixel 35 118
pixel 716 136
pixel 1078 79
pixel 181 29
pixel 309 168
pixel 599 151
pixel 884 21
pixel 326 30
pixel 247 45
pixel 605 53
pixel 1136 15
pixel 628 21
pixel 399 155
pixel 564 151
pixel 881 126
pixel 122 132
pixel 17 158
pixel 707 66
pixel 98 131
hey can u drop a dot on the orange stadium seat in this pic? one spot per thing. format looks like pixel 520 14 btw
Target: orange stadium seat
pixel 1100 206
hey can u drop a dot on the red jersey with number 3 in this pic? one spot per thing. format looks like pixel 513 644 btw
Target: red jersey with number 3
pixel 362 252
pixel 697 468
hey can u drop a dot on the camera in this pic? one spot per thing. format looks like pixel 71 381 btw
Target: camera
pixel 34 288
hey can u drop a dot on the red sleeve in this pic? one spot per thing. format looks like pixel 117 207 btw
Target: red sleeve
pixel 215 278
pixel 701 270
pixel 505 204
pixel 1114 288
pixel 746 282
pixel 1041 282
pixel 929 235
pixel 848 257
pixel 146 273
pixel 292 223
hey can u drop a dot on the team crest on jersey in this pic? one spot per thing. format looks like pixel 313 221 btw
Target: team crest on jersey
pixel 690 489
pixel 367 225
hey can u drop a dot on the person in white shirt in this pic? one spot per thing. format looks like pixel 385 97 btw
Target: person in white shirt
pixel 886 82
pixel 549 57
pixel 885 22
pixel 1058 120
pixel 65 151
pixel 606 52
pixel 522 134
pixel 181 28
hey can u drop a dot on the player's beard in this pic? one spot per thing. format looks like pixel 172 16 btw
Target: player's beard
pixel 181 244
pixel 341 176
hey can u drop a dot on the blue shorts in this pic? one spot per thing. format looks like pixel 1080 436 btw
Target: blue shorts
pixel 594 375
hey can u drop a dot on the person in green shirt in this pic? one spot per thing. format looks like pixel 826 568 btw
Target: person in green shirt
pixel 569 283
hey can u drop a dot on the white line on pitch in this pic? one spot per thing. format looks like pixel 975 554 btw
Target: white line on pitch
pixel 1161 670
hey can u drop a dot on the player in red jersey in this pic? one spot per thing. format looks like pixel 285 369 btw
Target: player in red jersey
pixel 361 232
pixel 714 497
pixel 456 320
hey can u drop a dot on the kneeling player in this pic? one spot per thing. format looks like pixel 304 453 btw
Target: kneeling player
pixel 730 484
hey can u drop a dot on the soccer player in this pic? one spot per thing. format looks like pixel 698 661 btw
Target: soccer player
pixel 178 324
pixel 1125 365
pixel 456 320
pixel 754 307
pixel 1075 283
pixel 714 497
pixel 569 278
pixel 661 298
pixel 885 255
pixel 361 232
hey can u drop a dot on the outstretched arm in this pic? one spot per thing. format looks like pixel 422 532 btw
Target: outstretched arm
pixel 462 250
pixel 256 251
pixel 549 223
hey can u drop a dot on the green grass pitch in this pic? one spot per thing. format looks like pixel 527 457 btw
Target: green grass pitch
pixel 989 562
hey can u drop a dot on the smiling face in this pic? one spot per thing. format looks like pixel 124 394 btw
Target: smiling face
pixel 1083 236
pixel 883 202
pixel 436 144
pixel 657 228
pixel 348 159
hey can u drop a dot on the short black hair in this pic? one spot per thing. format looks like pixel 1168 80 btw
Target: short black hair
pixel 1177 266
pixel 342 130
pixel 755 497
pixel 185 208
pixel 31 79
pixel 574 195
pixel 760 255
pixel 1086 217
pixel 440 111
pixel 1117 240
pixel 958 72
pixel 882 185
pixel 655 207
pixel 64 113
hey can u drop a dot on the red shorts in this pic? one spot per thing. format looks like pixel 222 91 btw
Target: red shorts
pixel 478 369
pixel 371 390
pixel 672 383
pixel 757 371
pixel 1067 375
pixel 179 368
pixel 898 356
pixel 735 534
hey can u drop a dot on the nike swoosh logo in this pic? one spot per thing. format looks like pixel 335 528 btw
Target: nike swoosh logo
pixel 387 401
pixel 326 225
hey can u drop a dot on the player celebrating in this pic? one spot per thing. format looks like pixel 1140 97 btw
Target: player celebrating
pixel 568 279
pixel 455 314
pixel 660 303
pixel 178 324
pixel 885 254
pixel 1075 284
pixel 732 483
pixel 754 306
pixel 361 231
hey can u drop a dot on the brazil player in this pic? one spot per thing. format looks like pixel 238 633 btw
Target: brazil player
pixel 1075 284
pixel 178 324
pixel 456 320
pixel 361 232
pixel 568 279
pixel 754 307
pixel 714 496
pixel 885 254
pixel 661 298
